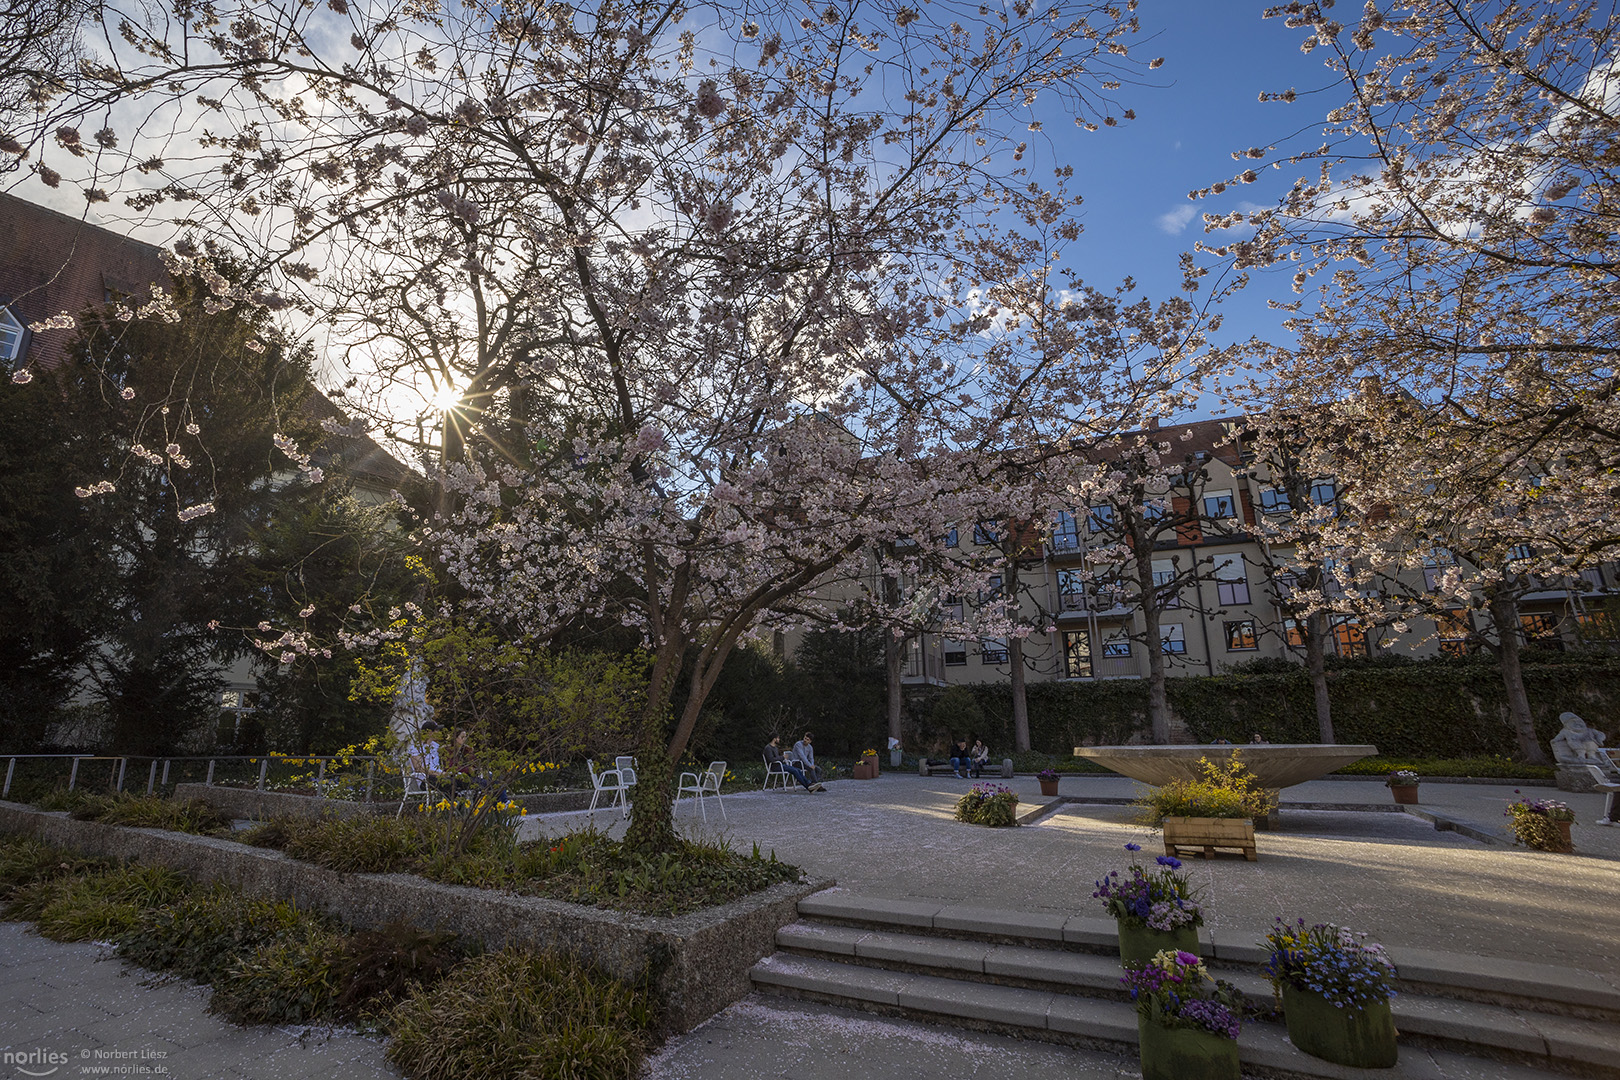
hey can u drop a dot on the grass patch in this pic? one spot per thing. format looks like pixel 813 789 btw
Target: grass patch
pixel 519 1015
pixel 24 861
pixel 585 867
pixel 201 935
pixel 1504 768
pixel 141 811
pixel 292 980
pixel 96 905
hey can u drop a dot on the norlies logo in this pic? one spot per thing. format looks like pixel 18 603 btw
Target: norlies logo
pixel 36 1062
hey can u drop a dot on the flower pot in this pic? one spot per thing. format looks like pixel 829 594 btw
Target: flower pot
pixel 1405 794
pixel 866 769
pixel 1362 1038
pixel 1049 787
pixel 1209 833
pixel 1563 832
pixel 1137 944
pixel 1184 1053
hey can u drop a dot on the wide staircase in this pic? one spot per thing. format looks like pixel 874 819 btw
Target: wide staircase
pixel 1057 978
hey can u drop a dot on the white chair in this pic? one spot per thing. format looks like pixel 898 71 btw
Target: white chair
pixel 627 770
pixel 415 788
pixel 698 786
pixel 774 770
pixel 605 781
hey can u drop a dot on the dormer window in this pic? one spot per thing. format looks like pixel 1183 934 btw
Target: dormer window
pixel 11 338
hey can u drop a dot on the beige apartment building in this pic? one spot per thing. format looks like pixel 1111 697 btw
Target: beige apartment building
pixel 1230 613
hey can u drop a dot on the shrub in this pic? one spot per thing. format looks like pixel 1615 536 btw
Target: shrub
pixel 364 845
pixel 988 804
pixel 203 934
pixel 60 798
pixel 98 905
pixel 1226 791
pixel 291 980
pixel 381 967
pixel 520 1015
pixel 1483 767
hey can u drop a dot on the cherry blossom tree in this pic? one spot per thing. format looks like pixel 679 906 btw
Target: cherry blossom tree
pixel 1453 251
pixel 698 306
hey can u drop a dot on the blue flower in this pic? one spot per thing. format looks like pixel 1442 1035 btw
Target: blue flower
pixel 1133 847
pixel 1169 860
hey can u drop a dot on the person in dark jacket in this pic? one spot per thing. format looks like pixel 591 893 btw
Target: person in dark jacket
pixel 773 756
pixel 961 757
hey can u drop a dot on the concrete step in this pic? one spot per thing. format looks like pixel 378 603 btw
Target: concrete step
pixel 1487 980
pixel 1467 1026
pixel 1081 1021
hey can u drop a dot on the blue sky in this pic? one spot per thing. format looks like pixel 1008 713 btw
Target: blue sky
pixel 1219 55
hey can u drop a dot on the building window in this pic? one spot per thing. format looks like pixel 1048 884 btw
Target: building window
pixel 233 706
pixel 987 534
pixel 1590 580
pixel 952 608
pixel 1164 575
pixel 993 651
pixel 1539 627
pixel 1274 500
pixel 955 653
pixel 1452 630
pixel 1100 519
pixel 1071 591
pixel 1324 492
pixel 1219 505
pixel 11 337
pixel 1435 564
pixel 1172 638
pixel 1153 511
pixel 1294 633
pixel 1117 647
pixel 950 538
pixel 1066 532
pixel 1519 553
pixel 1231 580
pixel 1077 654
pixel 1240 636
pixel 992 590
pixel 1349 639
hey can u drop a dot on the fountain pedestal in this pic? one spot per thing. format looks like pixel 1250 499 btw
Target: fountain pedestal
pixel 1275 765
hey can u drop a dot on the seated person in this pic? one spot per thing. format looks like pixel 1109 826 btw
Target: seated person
pixel 961 758
pixel 981 757
pixel 806 754
pixel 422 759
pixel 461 766
pixel 773 756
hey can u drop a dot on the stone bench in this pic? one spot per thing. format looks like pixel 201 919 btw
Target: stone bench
pixel 926 767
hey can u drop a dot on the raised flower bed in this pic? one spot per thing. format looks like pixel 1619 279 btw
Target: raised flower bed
pixel 1335 989
pixel 1187 1023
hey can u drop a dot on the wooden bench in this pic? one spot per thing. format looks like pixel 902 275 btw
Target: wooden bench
pixel 925 767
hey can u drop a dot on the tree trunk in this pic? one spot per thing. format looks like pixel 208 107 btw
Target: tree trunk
pixel 652 822
pixel 1505 615
pixel 891 679
pixel 1020 704
pixel 1015 652
pixel 1316 664
pixel 1158 703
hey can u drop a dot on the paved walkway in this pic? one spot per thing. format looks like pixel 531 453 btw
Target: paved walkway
pixel 76 1012
pixel 1387 873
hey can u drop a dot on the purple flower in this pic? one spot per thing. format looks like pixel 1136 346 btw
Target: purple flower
pixel 1185 959
pixel 1169 860
pixel 1133 847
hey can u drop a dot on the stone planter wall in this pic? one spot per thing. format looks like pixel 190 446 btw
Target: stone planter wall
pixel 694 964
pixel 262 805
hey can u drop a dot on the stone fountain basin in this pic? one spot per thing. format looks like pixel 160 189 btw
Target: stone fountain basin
pixel 1275 765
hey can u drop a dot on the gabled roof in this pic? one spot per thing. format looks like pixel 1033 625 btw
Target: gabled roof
pixel 51 263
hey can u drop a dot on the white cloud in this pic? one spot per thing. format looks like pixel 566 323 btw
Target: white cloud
pixel 1176 221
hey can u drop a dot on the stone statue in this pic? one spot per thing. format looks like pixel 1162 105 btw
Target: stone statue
pixel 1578 752
pixel 1580 744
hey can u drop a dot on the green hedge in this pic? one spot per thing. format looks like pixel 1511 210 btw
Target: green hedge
pixel 1440 708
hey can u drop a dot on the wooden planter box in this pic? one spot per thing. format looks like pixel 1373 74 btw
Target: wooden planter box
pixel 866 769
pixel 1209 833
